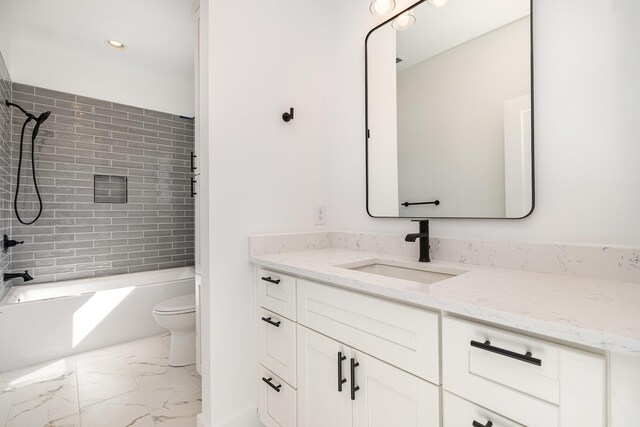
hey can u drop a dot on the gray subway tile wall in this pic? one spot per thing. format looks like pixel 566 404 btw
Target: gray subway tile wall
pixel 77 238
pixel 5 167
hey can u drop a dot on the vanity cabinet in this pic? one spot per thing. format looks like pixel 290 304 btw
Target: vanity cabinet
pixel 329 356
pixel 530 381
pixel 404 336
pixel 342 387
pixel 276 400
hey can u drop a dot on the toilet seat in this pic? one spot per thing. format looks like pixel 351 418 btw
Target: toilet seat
pixel 183 304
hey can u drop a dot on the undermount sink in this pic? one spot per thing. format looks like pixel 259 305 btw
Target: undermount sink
pixel 415 273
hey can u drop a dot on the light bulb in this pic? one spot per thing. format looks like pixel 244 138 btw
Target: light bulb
pixel 404 21
pixel 115 44
pixel 437 3
pixel 382 7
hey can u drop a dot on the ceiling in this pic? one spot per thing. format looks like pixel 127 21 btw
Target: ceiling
pixel 439 29
pixel 61 45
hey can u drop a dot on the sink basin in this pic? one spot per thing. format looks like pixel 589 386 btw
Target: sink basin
pixel 415 273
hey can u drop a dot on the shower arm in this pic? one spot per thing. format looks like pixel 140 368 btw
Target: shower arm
pixel 26 113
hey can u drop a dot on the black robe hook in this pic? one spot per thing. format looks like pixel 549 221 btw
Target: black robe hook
pixel 288 116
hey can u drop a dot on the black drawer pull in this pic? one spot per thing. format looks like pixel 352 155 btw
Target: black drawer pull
pixel 270 280
pixel 193 163
pixel 193 187
pixel 354 387
pixel 272 385
pixel 521 357
pixel 341 380
pixel 477 424
pixel 271 322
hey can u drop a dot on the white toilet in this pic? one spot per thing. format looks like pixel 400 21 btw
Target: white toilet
pixel 179 316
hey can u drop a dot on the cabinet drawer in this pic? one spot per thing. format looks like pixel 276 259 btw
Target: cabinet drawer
pixel 551 385
pixel 276 292
pixel 277 344
pixel 400 335
pixel 276 400
pixel 459 412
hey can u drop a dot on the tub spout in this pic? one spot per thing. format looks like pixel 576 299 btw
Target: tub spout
pixel 26 277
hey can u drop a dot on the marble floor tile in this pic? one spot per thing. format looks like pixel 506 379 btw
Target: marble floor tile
pixel 98 356
pixel 43 380
pixel 57 408
pixel 175 385
pixel 191 369
pixel 148 356
pixel 128 410
pixel 108 377
pixel 130 384
pixel 179 412
pixel 6 400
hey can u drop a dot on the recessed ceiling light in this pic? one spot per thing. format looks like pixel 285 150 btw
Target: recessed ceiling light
pixel 437 3
pixel 382 7
pixel 404 21
pixel 115 44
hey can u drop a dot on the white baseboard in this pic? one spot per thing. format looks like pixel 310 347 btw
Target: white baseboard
pixel 247 418
pixel 200 421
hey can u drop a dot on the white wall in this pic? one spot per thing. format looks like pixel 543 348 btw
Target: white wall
pixel 264 174
pixel 451 124
pixel 61 46
pixel 586 151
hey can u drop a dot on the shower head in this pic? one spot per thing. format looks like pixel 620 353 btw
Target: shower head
pixel 40 120
pixel 44 116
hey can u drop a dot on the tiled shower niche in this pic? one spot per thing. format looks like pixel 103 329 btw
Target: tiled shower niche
pixel 84 138
pixel 109 189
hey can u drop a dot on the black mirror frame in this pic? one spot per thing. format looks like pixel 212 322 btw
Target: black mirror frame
pixel 366 125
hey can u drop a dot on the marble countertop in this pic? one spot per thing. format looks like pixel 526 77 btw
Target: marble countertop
pixel 597 313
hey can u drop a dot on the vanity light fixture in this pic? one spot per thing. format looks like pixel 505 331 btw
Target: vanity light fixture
pixel 114 44
pixel 382 7
pixel 437 3
pixel 404 21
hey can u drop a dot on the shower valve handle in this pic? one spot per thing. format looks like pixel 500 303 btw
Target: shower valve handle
pixel 6 243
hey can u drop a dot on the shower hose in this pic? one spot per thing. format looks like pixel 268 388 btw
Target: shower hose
pixel 33 171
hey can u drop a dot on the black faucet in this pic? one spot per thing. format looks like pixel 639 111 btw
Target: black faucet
pixel 423 235
pixel 25 276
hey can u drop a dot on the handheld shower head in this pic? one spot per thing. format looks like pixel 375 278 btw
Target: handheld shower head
pixel 39 120
pixel 43 117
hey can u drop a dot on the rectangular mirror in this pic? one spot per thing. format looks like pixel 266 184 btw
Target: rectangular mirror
pixel 449 111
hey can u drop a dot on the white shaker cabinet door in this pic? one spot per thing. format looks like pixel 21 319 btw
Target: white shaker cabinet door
pixel 320 403
pixel 388 396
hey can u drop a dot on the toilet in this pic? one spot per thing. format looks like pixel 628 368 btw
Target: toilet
pixel 178 315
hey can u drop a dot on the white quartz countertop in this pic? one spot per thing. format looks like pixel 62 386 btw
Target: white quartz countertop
pixel 597 313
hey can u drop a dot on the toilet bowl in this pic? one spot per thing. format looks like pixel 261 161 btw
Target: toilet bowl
pixel 178 315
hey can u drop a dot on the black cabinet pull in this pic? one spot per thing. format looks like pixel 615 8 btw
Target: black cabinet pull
pixel 501 351
pixel 354 387
pixel 272 385
pixel 193 188
pixel 477 424
pixel 341 380
pixel 270 280
pixel 193 162
pixel 271 322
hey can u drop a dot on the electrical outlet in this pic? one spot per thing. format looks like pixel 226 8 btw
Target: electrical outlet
pixel 321 214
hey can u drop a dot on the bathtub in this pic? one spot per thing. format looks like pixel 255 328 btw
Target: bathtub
pixel 43 322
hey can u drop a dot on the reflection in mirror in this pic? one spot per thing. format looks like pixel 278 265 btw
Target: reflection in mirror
pixel 449 112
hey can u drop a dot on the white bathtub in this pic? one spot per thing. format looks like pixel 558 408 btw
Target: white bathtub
pixel 47 321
